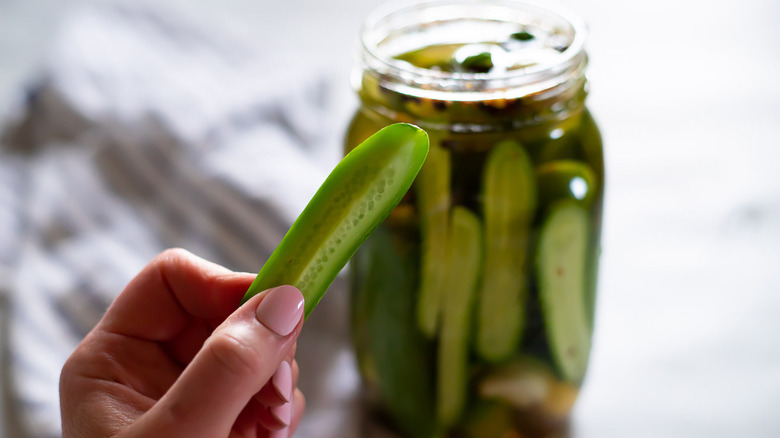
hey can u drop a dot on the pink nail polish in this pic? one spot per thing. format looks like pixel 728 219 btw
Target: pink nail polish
pixel 282 413
pixel 282 381
pixel 281 309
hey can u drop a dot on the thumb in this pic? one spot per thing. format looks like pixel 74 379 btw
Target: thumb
pixel 233 365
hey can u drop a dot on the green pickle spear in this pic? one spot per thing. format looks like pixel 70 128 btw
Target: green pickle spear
pixel 561 272
pixel 433 200
pixel 509 202
pixel 357 196
pixel 576 182
pixel 464 260
pixel 401 356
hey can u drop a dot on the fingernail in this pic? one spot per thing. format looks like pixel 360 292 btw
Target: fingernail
pixel 282 413
pixel 282 381
pixel 281 309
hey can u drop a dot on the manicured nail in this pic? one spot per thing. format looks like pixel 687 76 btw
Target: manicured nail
pixel 281 309
pixel 282 381
pixel 282 413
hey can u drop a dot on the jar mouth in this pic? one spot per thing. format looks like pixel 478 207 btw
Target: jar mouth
pixel 392 30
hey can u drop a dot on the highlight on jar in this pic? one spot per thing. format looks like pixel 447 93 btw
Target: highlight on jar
pixel 472 305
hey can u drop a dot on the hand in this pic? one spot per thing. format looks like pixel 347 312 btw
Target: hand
pixel 173 358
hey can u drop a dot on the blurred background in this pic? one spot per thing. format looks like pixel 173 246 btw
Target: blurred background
pixel 685 92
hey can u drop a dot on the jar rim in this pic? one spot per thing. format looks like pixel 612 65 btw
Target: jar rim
pixel 477 86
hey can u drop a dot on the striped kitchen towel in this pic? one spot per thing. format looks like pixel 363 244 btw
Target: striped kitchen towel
pixel 144 131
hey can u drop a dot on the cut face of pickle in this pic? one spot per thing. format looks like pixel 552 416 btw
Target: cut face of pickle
pixel 561 274
pixel 357 196
pixel 509 202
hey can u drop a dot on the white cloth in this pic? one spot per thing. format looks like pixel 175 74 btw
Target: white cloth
pixel 146 130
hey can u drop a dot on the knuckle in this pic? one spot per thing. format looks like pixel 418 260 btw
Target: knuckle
pixel 172 255
pixel 296 371
pixel 67 373
pixel 235 355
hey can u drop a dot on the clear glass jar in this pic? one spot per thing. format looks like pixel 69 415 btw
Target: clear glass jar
pixel 473 304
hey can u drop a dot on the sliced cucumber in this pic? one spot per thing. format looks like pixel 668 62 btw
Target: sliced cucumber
pixel 362 302
pixel 433 205
pixel 594 255
pixel 464 262
pixel 400 356
pixel 576 181
pixel 356 197
pixel 561 275
pixel 509 202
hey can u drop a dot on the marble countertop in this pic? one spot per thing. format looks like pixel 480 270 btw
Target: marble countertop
pixel 687 96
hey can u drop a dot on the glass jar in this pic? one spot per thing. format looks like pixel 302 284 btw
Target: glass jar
pixel 472 305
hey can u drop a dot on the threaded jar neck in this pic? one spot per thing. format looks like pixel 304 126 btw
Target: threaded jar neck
pixel 553 61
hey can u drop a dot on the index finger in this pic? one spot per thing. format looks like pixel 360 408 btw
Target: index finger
pixel 170 291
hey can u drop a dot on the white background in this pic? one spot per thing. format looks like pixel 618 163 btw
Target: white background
pixel 688 97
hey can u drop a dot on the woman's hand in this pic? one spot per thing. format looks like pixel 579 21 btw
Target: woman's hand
pixel 172 357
